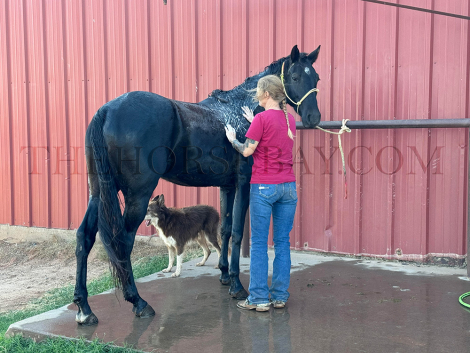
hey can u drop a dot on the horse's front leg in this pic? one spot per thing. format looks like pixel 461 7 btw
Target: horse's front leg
pixel 227 198
pixel 134 213
pixel 240 207
pixel 86 236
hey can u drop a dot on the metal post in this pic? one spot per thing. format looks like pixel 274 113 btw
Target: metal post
pixel 468 208
pixel 393 124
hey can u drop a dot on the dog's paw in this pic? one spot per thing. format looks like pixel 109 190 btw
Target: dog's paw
pixel 174 275
pixel 216 266
pixel 200 263
pixel 166 270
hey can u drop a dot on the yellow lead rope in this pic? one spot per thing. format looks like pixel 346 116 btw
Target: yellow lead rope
pixel 343 129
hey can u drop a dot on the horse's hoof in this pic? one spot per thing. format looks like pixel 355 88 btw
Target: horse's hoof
pixel 240 295
pixel 88 320
pixel 224 279
pixel 146 312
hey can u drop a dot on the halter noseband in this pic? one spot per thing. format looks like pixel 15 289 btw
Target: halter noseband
pixel 306 94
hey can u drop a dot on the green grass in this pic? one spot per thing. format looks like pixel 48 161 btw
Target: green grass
pixel 59 297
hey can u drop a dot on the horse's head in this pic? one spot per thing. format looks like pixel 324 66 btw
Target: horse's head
pixel 300 82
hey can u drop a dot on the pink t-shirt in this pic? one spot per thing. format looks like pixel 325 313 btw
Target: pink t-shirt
pixel 273 156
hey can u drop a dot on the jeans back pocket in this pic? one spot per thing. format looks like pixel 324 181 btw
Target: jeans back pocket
pixel 267 190
pixel 293 191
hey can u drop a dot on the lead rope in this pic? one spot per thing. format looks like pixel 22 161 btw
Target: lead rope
pixel 343 129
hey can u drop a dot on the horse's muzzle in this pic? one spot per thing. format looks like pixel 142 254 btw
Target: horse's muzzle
pixel 311 120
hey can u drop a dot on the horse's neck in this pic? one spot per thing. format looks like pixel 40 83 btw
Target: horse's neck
pixel 241 92
pixel 228 104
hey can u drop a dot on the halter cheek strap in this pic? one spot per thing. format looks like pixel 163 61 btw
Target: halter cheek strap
pixel 306 94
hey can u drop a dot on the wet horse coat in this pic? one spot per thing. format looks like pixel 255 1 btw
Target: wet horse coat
pixel 140 137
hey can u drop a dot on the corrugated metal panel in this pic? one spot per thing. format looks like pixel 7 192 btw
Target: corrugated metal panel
pixel 38 147
pixel 407 188
pixel 6 176
pixel 19 114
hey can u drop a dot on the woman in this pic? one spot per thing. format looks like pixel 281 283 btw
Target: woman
pixel 270 139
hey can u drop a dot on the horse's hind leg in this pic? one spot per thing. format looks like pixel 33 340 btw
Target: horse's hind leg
pixel 134 213
pixel 227 197
pixel 86 235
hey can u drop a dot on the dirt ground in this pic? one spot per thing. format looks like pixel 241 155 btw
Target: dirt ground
pixel 29 269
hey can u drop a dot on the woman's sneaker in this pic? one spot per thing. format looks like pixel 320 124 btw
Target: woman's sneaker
pixel 246 305
pixel 278 304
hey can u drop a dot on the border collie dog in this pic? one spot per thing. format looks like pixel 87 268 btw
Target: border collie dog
pixel 179 227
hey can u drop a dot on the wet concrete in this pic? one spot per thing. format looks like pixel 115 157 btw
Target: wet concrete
pixel 336 305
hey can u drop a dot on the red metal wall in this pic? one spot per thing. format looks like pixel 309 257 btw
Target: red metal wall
pixel 61 60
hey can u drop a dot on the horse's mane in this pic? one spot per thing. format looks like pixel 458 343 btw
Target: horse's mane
pixel 250 82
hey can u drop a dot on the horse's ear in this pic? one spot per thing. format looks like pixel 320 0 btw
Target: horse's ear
pixel 312 57
pixel 294 54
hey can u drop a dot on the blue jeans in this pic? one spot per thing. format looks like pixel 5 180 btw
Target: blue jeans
pixel 280 201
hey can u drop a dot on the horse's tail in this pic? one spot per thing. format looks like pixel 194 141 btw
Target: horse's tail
pixel 110 220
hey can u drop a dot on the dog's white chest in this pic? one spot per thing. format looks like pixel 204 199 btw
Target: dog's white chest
pixel 168 240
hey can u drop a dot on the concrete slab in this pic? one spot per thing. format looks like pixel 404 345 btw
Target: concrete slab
pixel 336 305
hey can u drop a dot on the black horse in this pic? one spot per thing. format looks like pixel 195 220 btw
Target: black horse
pixel 140 137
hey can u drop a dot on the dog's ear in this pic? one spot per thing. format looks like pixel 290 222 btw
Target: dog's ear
pixel 161 200
pixel 155 198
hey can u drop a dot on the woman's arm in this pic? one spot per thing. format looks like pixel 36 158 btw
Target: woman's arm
pixel 247 148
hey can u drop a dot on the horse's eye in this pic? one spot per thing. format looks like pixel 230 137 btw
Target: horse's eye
pixel 295 77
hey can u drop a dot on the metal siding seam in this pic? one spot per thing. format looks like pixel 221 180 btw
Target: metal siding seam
pixel 359 155
pixel 194 64
pixel 391 244
pixel 466 234
pixel 425 246
pixel 15 139
pixel 220 33
pixel 298 239
pixel 39 183
pixel 85 86
pixel 47 110
pixel 300 23
pixel 329 139
pixel 272 32
pixel 67 110
pixel 126 25
pixel 171 54
pixel 10 112
pixel 105 50
pixel 171 66
pixel 246 38
pixel 149 50
pixel 28 112
pixel 194 51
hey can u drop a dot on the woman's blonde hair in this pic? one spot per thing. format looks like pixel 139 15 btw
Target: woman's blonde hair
pixel 273 85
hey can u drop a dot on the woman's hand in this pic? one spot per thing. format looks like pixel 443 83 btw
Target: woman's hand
pixel 230 132
pixel 248 113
